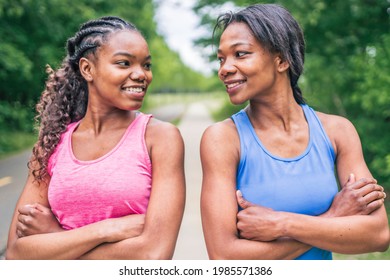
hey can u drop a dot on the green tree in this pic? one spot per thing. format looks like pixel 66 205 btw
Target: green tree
pixel 33 34
pixel 347 65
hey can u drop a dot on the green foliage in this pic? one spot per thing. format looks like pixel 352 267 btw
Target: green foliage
pixel 16 128
pixel 34 34
pixel 371 104
pixel 174 76
pixel 15 117
pixel 226 110
pixel 347 66
pixel 12 142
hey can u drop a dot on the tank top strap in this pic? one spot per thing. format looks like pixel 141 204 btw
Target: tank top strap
pixel 243 125
pixel 137 129
pixel 317 131
pixel 141 122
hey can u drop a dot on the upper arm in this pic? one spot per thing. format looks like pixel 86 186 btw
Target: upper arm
pixel 350 158
pixel 166 205
pixel 348 148
pixel 220 157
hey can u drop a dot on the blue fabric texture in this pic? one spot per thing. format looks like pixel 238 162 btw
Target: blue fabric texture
pixel 305 184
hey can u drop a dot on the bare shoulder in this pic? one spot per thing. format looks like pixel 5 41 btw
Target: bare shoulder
pixel 162 133
pixel 221 140
pixel 221 131
pixel 339 129
pixel 334 123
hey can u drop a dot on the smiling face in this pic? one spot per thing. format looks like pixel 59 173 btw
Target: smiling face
pixel 120 73
pixel 246 68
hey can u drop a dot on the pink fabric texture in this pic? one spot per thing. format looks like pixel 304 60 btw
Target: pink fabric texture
pixel 114 185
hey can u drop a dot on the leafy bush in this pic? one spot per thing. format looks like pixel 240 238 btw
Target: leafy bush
pixel 15 117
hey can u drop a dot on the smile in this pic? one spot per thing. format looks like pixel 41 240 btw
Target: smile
pixel 134 89
pixel 232 85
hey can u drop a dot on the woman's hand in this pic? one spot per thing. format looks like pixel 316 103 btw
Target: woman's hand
pixel 260 223
pixel 256 222
pixel 360 197
pixel 36 219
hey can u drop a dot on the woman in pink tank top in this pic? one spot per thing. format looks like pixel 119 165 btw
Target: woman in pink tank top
pixel 105 181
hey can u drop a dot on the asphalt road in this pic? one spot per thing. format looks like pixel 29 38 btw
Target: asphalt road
pixel 13 174
pixel 194 119
pixel 190 244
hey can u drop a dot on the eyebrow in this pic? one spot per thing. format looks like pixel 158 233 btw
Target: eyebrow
pixel 236 45
pixel 131 55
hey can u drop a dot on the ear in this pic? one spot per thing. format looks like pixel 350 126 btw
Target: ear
pixel 86 66
pixel 281 64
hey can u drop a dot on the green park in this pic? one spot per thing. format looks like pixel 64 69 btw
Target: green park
pixel 347 66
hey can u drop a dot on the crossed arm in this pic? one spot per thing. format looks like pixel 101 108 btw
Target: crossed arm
pixel 150 236
pixel 355 223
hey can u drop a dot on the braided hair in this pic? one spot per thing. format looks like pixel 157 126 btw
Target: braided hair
pixel 275 28
pixel 65 97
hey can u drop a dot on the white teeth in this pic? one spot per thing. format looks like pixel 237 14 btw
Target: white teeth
pixel 233 84
pixel 132 89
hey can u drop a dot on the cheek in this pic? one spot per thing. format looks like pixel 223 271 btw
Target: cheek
pixel 150 77
pixel 220 76
pixel 252 68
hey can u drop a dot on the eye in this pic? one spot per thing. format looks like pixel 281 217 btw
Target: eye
pixel 148 66
pixel 220 59
pixel 123 63
pixel 240 54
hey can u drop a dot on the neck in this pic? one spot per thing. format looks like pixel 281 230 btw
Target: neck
pixel 279 112
pixel 97 121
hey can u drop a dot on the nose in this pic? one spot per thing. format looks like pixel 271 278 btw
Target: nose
pixel 225 69
pixel 138 74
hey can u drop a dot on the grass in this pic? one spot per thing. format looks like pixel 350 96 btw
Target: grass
pixel 12 142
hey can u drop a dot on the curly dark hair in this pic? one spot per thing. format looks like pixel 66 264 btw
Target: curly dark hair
pixel 65 97
pixel 276 29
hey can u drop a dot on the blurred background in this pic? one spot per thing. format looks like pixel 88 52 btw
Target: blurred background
pixel 347 67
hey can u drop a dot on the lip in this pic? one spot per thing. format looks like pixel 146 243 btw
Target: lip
pixel 137 91
pixel 233 85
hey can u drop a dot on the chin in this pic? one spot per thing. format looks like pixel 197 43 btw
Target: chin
pixel 133 107
pixel 237 101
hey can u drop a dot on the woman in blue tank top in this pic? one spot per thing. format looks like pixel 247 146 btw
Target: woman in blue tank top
pixel 269 185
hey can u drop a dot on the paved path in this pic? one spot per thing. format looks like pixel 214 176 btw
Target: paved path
pixel 13 174
pixel 190 244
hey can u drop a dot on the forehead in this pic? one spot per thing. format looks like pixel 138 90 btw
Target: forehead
pixel 236 33
pixel 125 40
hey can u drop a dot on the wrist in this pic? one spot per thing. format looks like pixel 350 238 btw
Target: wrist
pixel 327 214
pixel 102 231
pixel 284 221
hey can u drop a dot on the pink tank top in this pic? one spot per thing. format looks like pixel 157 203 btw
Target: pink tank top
pixel 114 185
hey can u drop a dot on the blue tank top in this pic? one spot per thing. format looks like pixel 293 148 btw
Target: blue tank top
pixel 305 184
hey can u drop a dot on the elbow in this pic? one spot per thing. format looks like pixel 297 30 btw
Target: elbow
pixel 158 255
pixel 221 253
pixel 159 251
pixel 224 255
pixel 218 256
pixel 383 240
pixel 10 255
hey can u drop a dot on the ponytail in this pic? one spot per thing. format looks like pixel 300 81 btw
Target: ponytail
pixel 65 97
